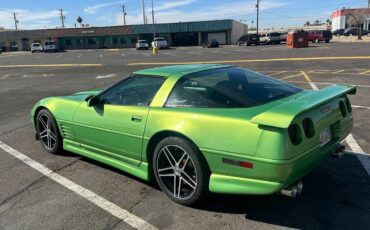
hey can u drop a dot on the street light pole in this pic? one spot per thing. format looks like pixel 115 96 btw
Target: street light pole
pixel 124 14
pixel 258 9
pixel 143 6
pixel 153 19
pixel 15 21
pixel 62 17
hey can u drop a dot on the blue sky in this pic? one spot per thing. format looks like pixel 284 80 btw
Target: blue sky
pixel 274 13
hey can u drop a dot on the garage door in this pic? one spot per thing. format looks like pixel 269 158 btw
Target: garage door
pixel 220 37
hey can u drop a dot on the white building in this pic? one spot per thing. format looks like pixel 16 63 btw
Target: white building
pixel 340 18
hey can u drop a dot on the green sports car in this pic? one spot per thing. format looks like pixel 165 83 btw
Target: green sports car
pixel 201 128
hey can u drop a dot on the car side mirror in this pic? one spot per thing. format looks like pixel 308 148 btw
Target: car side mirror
pixel 93 101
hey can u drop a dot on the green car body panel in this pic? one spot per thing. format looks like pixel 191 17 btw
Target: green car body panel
pixel 257 135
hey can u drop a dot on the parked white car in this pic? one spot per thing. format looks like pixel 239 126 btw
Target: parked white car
pixel 36 47
pixel 142 44
pixel 50 46
pixel 160 43
pixel 270 38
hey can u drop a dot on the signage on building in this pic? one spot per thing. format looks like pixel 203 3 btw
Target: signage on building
pixel 87 31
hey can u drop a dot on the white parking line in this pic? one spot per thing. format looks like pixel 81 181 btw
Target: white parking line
pixel 79 56
pixel 99 201
pixel 171 54
pixel 277 73
pixel 123 55
pixel 148 55
pixel 101 55
pixel 59 56
pixel 106 76
pixel 194 53
pixel 5 76
pixel 352 143
pixel 326 83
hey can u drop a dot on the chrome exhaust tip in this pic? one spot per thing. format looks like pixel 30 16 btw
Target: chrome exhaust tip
pixel 293 190
pixel 339 152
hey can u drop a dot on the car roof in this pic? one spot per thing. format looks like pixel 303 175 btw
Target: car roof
pixel 166 71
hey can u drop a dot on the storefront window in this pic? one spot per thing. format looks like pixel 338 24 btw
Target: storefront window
pixel 91 41
pixel 123 40
pixel 79 41
pixel 115 41
pixel 68 42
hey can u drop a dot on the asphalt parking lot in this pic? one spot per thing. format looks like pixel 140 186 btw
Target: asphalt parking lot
pixel 335 196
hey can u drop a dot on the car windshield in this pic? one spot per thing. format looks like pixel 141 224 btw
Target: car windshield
pixel 229 87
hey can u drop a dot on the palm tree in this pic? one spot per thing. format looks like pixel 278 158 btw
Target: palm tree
pixel 307 23
pixel 79 20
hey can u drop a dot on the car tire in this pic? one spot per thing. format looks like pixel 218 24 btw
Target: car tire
pixel 181 170
pixel 48 132
pixel 327 41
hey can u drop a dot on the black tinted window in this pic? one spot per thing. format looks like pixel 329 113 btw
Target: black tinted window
pixel 136 91
pixel 227 88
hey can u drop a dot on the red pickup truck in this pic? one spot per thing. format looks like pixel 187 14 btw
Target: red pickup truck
pixel 320 36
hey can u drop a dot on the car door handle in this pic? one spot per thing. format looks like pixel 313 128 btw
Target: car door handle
pixel 136 118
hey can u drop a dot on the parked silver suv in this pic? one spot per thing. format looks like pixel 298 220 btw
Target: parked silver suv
pixel 36 47
pixel 50 46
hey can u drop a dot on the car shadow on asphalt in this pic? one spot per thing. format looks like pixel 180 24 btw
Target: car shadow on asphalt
pixel 335 196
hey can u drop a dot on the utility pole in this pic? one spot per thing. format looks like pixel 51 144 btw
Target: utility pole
pixel 143 6
pixel 124 14
pixel 15 21
pixel 258 12
pixel 153 20
pixel 62 17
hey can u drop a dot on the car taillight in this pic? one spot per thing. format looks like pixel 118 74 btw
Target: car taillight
pixel 294 134
pixel 342 107
pixel 308 127
pixel 348 104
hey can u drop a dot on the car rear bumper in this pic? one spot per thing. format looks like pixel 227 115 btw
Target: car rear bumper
pixel 266 176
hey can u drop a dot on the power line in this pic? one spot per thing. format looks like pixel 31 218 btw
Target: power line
pixel 62 17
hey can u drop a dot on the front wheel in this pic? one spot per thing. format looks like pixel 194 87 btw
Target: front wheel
pixel 47 132
pixel 180 170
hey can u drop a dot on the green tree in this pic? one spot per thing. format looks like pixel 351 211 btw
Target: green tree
pixel 307 23
pixel 79 20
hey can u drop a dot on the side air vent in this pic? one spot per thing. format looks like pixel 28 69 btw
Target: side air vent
pixel 308 127
pixel 295 134
pixel 342 107
pixel 348 104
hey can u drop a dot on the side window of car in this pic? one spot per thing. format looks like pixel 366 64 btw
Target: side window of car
pixel 135 91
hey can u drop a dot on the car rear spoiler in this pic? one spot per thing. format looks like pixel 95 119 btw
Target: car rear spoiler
pixel 282 115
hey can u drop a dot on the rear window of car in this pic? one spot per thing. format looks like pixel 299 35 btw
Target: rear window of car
pixel 36 44
pixel 229 87
pixel 274 34
pixel 142 41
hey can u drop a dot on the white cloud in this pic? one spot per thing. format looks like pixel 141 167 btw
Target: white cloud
pixel 225 11
pixel 29 19
pixel 93 9
pixel 171 5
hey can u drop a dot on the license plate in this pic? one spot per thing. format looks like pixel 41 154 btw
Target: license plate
pixel 325 136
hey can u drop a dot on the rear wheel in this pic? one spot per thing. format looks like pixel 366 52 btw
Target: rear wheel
pixel 180 170
pixel 48 133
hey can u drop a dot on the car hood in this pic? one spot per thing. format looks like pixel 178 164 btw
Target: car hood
pixel 80 96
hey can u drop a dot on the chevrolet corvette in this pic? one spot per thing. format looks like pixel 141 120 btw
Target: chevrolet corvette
pixel 201 128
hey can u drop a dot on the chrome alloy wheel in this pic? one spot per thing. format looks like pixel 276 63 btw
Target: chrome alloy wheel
pixel 176 171
pixel 47 133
